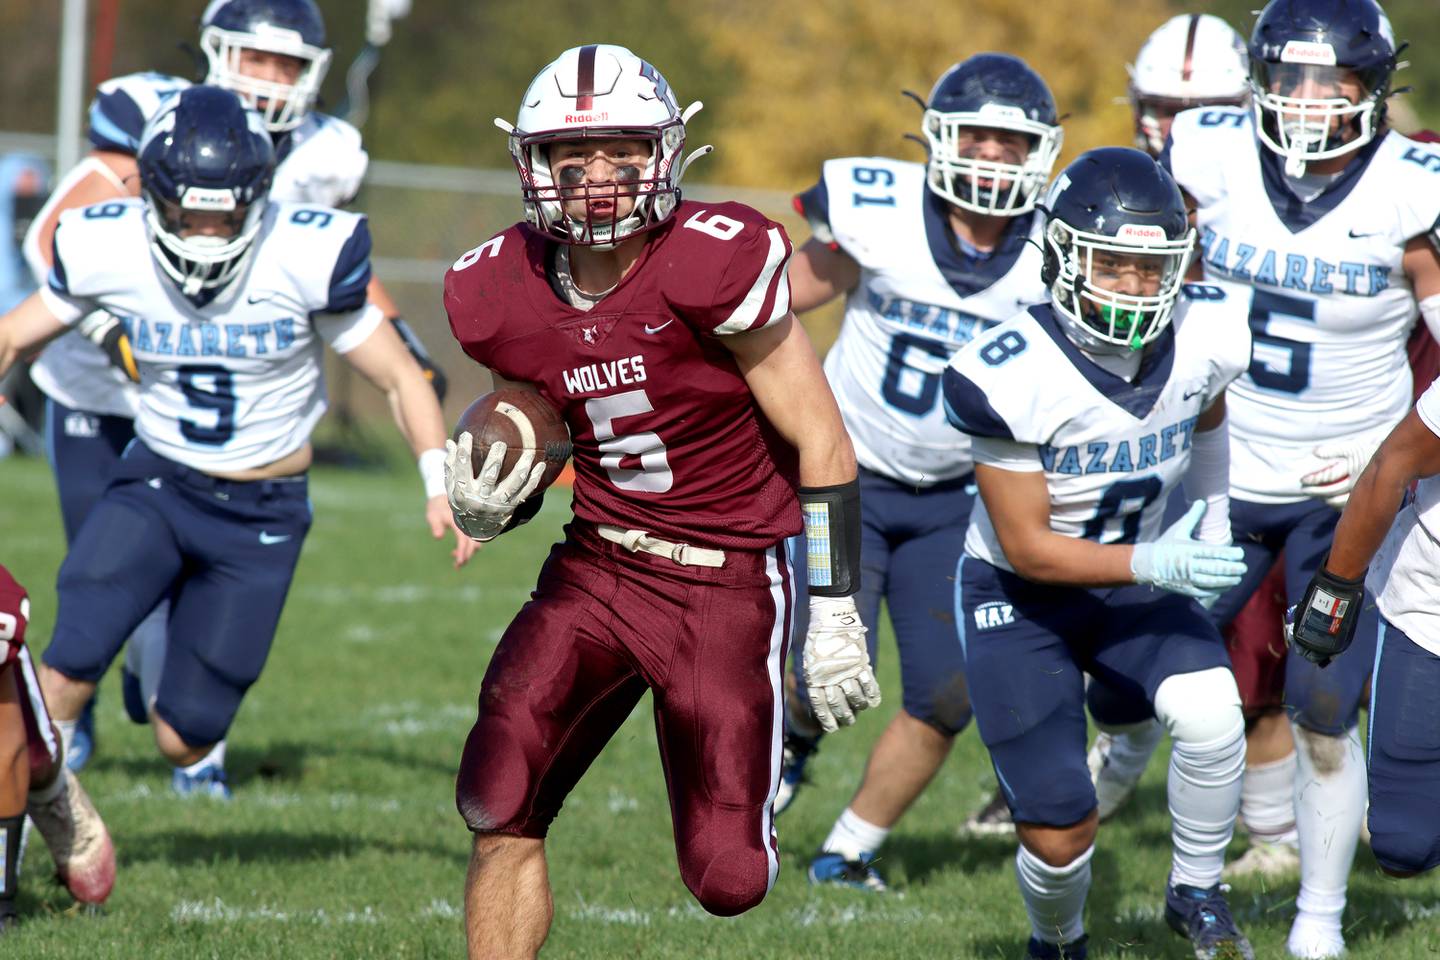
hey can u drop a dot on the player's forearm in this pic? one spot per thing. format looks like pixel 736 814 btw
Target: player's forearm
pixel 416 411
pixel 1368 515
pixel 1049 557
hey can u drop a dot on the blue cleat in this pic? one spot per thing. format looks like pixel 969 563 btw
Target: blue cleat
pixel 208 781
pixel 797 752
pixel 134 699
pixel 1039 949
pixel 82 745
pixel 1202 916
pixel 834 869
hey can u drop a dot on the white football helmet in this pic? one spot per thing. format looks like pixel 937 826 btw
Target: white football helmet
pixel 293 28
pixel 600 92
pixel 1193 60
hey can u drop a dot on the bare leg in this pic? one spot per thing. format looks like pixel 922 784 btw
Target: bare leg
pixel 904 760
pixel 176 750
pixel 508 908
pixel 14 753
pixel 1268 739
pixel 65 697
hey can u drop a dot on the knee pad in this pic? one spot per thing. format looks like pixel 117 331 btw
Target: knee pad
pixel 946 706
pixel 730 883
pixel 1200 707
pixel 1406 851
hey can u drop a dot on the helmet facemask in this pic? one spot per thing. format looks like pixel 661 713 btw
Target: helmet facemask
pixel 1013 188
pixel 653 184
pixel 200 262
pixel 1107 321
pixel 1303 129
pixel 282 105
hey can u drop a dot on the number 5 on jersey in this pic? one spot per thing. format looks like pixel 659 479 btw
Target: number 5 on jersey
pixel 654 475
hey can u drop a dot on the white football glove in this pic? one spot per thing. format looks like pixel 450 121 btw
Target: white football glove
pixel 1181 564
pixel 836 663
pixel 1344 460
pixel 483 505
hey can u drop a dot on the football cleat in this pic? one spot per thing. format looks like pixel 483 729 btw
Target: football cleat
pixel 78 841
pixel 208 781
pixel 797 753
pixel 1202 916
pixel 1042 950
pixel 82 744
pixel 1112 789
pixel 991 820
pixel 833 869
pixel 1264 859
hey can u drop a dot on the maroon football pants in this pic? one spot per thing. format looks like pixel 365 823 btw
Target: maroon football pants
pixel 602 627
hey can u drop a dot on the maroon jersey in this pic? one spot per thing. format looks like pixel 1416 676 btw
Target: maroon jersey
pixel 668 438
pixel 14 615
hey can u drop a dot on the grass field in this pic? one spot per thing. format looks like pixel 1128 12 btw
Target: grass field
pixel 343 840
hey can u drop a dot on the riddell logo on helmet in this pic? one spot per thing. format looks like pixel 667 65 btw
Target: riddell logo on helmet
pixel 587 117
pixel 1305 51
pixel 1136 231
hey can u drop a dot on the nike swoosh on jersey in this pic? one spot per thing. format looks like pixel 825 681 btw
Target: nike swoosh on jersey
pixel 268 538
pixel 1369 233
pixel 1194 393
pixel 650 329
pixel 259 299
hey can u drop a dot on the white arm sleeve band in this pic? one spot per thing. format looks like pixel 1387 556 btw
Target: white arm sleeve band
pixel 1006 454
pixel 1430 310
pixel 1208 479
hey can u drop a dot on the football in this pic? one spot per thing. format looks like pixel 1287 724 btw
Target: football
pixel 523 420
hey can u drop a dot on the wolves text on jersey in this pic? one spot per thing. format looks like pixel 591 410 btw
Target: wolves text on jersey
pixel 1293 271
pixel 606 374
pixel 1150 449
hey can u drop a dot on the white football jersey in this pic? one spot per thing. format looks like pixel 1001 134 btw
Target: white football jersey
pixel 918 300
pixel 1332 308
pixel 320 162
pixel 236 382
pixel 1111 449
pixel 1405 574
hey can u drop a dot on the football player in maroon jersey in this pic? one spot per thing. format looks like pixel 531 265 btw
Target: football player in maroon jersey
pixel 703 429
pixel 34 781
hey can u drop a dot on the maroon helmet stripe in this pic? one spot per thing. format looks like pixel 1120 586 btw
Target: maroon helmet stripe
pixel 1189 47
pixel 585 87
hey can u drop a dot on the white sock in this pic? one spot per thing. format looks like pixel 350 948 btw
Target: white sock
pixel 1267 801
pixel 1329 806
pixel 67 735
pixel 216 756
pixel 854 838
pixel 1054 896
pixel 1204 793
pixel 1131 749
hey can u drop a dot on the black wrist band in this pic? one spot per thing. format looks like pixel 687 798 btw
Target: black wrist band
pixel 832 534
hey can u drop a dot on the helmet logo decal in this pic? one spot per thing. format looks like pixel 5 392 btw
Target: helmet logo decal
pixel 1306 51
pixel 585 82
pixel 1138 231
pixel 202 198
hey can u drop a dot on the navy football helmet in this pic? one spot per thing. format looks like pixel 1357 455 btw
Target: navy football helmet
pixel 204 158
pixel 996 91
pixel 1117 230
pixel 1320 73
pixel 293 28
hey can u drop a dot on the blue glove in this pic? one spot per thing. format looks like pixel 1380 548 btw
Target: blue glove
pixel 1180 563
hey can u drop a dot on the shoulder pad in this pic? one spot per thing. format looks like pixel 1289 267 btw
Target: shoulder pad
pixel 1199 141
pixel 96 247
pixel 726 267
pixel 978 375
pixel 325 252
pixel 124 105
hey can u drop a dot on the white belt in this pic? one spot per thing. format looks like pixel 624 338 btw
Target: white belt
pixel 685 554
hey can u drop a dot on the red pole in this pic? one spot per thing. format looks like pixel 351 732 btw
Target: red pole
pixel 102 51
